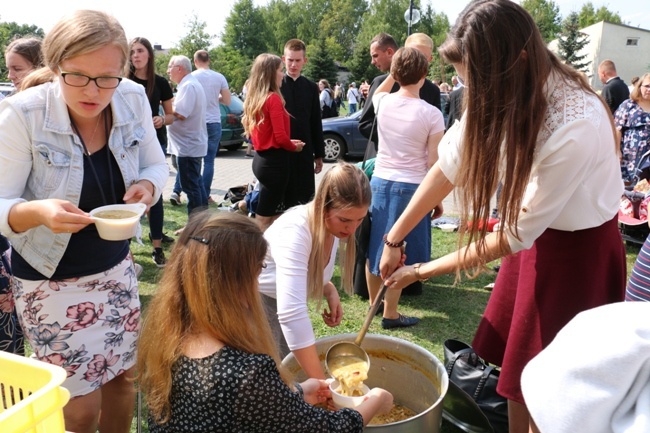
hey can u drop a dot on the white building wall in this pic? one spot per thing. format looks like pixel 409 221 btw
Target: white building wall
pixel 610 41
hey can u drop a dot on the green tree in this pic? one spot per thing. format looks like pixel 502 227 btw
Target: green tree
pixel 306 16
pixel 277 15
pixel 161 61
pixel 546 15
pixel 246 30
pixel 9 31
pixel 341 25
pixel 436 25
pixel 232 64
pixel 588 15
pixel 321 64
pixel 196 39
pixel 571 41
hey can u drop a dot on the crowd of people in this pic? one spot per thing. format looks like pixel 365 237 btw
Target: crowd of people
pixel 76 135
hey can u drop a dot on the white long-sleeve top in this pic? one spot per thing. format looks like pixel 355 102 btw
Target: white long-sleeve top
pixel 575 181
pixel 285 275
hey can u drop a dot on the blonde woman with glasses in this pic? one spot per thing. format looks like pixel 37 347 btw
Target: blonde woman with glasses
pixel 82 140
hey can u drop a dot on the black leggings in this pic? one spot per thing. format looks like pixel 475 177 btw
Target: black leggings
pixel 272 169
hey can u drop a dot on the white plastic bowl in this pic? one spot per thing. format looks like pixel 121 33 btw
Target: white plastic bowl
pixel 447 227
pixel 341 401
pixel 118 229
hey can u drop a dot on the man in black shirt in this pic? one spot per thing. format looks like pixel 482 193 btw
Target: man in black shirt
pixel 302 102
pixel 615 90
pixel 382 49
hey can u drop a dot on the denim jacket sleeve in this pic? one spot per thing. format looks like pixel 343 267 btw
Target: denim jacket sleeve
pixel 15 161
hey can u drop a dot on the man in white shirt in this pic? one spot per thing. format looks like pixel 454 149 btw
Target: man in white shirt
pixel 188 137
pixel 353 98
pixel 216 91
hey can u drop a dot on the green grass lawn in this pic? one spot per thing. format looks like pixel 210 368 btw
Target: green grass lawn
pixel 446 310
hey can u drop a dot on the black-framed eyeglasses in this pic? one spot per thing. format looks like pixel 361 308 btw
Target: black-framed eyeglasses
pixel 75 79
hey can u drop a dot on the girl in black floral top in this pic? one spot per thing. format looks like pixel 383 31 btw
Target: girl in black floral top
pixel 207 361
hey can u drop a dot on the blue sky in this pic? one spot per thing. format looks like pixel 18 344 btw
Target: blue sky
pixel 165 24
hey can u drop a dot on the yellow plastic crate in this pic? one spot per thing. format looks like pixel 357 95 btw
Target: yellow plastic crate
pixel 31 399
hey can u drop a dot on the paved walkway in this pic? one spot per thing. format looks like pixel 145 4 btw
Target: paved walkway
pixel 232 168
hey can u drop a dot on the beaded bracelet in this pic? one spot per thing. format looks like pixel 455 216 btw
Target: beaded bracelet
pixel 416 268
pixel 393 244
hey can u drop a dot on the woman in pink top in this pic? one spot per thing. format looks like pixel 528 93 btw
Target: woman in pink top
pixel 409 131
pixel 266 123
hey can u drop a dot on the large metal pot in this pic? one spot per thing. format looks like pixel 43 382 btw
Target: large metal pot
pixel 415 377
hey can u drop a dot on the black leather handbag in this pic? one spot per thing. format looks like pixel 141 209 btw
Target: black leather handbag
pixel 479 380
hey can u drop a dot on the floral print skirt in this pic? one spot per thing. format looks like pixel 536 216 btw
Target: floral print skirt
pixel 11 334
pixel 87 325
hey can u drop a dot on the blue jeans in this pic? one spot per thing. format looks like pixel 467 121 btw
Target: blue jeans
pixel 352 108
pixel 177 179
pixel 214 137
pixel 189 175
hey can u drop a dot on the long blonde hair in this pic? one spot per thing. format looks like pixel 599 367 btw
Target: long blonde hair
pixel 82 32
pixel 262 81
pixel 343 186
pixel 209 286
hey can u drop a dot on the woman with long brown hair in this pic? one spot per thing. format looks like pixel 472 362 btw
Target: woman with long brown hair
pixel 534 124
pixel 159 92
pixel 207 361
pixel 266 123
pixel 23 56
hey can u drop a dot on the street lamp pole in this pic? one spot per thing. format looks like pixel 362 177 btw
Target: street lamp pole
pixel 410 18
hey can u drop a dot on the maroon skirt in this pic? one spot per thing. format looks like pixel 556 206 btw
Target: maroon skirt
pixel 539 290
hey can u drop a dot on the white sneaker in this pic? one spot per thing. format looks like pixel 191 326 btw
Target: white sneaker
pixel 138 269
pixel 175 199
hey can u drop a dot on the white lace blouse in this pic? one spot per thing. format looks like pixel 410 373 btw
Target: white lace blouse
pixel 575 181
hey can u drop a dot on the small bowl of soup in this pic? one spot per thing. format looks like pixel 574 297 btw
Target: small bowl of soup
pixel 117 222
pixel 342 400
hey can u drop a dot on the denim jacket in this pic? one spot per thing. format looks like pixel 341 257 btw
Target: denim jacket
pixel 41 158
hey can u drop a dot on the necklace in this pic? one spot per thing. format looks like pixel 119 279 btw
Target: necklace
pixel 88 158
pixel 92 137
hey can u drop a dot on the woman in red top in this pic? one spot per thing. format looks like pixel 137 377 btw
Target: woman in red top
pixel 266 123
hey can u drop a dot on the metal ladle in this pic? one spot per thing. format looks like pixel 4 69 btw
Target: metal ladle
pixel 345 348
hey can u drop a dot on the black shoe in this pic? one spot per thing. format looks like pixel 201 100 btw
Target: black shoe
pixel 158 257
pixel 400 322
pixel 165 239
